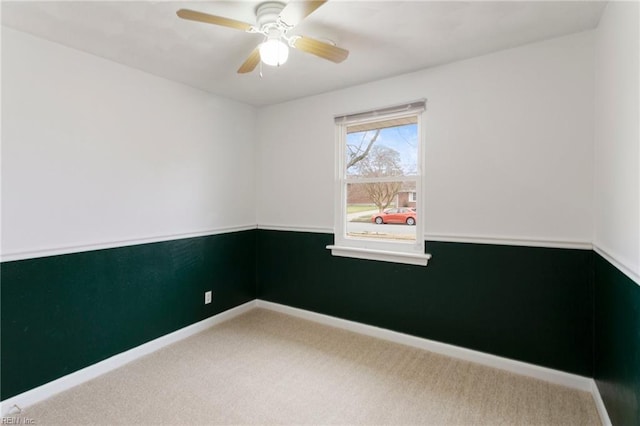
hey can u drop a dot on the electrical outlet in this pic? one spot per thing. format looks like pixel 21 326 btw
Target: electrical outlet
pixel 208 295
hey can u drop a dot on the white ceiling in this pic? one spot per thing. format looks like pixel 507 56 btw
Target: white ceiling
pixel 385 38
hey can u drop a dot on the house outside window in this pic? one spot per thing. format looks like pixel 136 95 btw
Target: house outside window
pixel 378 213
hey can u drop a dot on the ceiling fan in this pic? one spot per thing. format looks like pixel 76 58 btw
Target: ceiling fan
pixel 274 20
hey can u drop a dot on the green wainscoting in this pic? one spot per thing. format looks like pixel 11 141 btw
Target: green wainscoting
pixel 561 308
pixel 617 342
pixel 63 313
pixel 525 303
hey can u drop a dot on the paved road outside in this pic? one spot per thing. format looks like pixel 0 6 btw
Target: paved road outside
pixel 371 228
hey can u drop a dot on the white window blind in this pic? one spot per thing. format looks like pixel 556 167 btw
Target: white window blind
pixel 412 107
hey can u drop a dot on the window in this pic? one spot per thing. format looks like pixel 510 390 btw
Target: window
pixel 379 214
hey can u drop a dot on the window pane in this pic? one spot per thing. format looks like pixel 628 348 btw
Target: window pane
pixel 382 211
pixel 383 150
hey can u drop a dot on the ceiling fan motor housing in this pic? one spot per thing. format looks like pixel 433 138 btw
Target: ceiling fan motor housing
pixel 274 19
pixel 267 13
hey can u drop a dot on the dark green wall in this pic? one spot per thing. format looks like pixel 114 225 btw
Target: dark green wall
pixel 617 342
pixel 63 313
pixel 525 303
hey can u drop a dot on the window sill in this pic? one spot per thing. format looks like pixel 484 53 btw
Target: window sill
pixel 381 255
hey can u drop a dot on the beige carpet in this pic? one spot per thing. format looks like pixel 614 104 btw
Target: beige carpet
pixel 268 368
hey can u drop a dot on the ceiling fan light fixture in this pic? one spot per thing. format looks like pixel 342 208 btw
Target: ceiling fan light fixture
pixel 274 52
pixel 274 20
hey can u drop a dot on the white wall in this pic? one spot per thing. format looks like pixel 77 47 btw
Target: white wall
pixel 94 153
pixel 509 145
pixel 617 135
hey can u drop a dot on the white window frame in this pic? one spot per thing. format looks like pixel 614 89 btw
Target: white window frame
pixel 362 248
pixel 412 196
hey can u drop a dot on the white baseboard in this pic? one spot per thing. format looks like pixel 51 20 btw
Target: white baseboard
pixel 518 367
pixel 47 390
pixel 602 410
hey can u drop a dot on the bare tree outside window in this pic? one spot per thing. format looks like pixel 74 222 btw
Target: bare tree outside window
pixel 358 152
pixel 381 161
pixel 381 167
pixel 378 184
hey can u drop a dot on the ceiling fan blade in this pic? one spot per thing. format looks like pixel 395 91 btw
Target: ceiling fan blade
pixel 321 49
pixel 251 62
pixel 296 11
pixel 192 15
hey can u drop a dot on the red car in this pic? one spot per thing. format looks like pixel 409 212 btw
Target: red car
pixel 402 215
